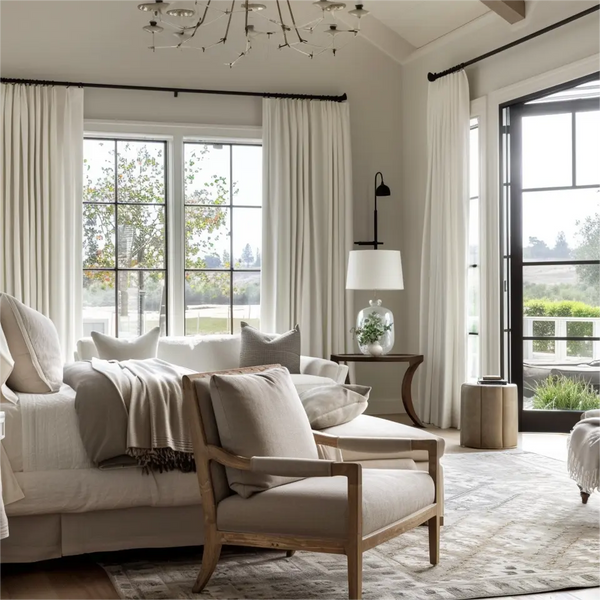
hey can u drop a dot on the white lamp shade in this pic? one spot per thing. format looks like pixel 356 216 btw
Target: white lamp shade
pixel 374 270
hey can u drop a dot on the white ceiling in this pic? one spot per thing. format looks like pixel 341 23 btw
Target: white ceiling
pixel 420 22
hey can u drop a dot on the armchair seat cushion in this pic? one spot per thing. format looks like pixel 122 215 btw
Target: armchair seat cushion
pixel 367 426
pixel 318 506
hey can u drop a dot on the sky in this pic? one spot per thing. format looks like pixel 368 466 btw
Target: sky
pixel 547 162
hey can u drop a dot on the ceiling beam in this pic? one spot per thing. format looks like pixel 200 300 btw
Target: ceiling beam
pixel 512 11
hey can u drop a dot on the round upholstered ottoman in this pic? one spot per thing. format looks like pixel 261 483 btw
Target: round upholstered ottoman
pixel 489 416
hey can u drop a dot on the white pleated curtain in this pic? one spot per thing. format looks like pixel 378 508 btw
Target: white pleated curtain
pixel 443 335
pixel 307 222
pixel 41 203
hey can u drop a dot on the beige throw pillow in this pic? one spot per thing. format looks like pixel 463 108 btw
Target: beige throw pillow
pixel 33 343
pixel 331 405
pixel 6 367
pixel 260 348
pixel 111 348
pixel 260 414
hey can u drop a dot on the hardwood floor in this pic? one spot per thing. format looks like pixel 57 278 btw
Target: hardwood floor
pixel 80 577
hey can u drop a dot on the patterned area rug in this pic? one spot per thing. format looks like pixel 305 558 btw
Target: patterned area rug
pixel 514 524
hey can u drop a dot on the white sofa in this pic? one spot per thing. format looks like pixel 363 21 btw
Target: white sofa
pixel 169 514
pixel 221 352
pixel 218 352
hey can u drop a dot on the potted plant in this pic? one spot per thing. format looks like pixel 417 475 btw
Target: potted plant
pixel 370 333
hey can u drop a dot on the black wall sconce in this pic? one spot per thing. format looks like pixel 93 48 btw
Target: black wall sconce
pixel 381 190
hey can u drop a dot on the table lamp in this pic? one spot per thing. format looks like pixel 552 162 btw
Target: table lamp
pixel 375 270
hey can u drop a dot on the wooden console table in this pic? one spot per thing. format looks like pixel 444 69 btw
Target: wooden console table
pixel 413 360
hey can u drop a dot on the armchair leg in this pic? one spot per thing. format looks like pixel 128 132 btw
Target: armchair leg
pixel 290 553
pixel 434 539
pixel 355 574
pixel 210 558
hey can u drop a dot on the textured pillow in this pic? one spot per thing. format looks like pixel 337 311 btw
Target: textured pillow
pixel 331 405
pixel 270 348
pixel 33 344
pixel 260 414
pixel 111 348
pixel 6 367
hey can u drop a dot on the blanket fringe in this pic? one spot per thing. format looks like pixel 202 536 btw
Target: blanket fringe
pixel 163 459
pixel 588 479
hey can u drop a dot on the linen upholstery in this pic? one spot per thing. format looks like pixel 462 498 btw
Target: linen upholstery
pixel 260 348
pixel 260 414
pixel 319 506
pixel 6 366
pixel 330 405
pixel 373 427
pixel 489 416
pixel 142 347
pixel 33 343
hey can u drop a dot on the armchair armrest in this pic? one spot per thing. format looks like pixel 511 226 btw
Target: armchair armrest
pixel 286 467
pixel 321 367
pixel 383 445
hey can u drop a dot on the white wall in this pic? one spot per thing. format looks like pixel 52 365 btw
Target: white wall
pixel 103 42
pixel 568 44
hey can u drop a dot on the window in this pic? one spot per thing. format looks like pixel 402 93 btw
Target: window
pixel 473 257
pixel 223 221
pixel 124 236
pixel 171 219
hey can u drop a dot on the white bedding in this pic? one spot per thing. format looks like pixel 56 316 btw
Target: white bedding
pixel 55 475
pixel 42 433
pixel 83 490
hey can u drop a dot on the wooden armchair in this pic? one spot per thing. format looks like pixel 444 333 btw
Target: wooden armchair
pixel 318 513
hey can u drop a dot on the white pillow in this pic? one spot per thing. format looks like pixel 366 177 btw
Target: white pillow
pixel 33 343
pixel 330 405
pixel 111 348
pixel 6 366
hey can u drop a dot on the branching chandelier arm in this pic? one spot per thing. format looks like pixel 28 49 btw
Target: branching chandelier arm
pixel 323 31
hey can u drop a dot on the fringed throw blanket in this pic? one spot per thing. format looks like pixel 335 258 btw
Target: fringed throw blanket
pixel 584 454
pixel 157 436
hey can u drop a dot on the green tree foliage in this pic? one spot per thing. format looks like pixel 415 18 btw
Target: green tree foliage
pixel 589 248
pixel 247 256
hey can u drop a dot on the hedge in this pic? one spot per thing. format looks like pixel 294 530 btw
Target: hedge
pixel 563 308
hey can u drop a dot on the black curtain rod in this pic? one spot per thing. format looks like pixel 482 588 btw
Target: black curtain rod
pixel 589 11
pixel 172 90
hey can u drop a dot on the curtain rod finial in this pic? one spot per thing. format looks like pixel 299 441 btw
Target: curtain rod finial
pixel 431 77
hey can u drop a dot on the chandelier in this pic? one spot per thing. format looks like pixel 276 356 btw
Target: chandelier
pixel 189 23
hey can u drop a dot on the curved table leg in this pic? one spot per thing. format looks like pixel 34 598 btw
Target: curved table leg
pixel 407 393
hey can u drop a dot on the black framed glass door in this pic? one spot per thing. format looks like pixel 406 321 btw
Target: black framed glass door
pixel 551 213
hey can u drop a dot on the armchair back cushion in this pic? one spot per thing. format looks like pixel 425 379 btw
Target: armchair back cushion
pixel 260 414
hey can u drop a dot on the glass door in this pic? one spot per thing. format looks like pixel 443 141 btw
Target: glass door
pixel 552 254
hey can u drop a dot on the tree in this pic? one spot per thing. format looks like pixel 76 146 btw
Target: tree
pixel 589 249
pixel 561 246
pixel 536 249
pixel 257 260
pixel 247 256
pixel 212 261
pixel 141 222
pixel 226 260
